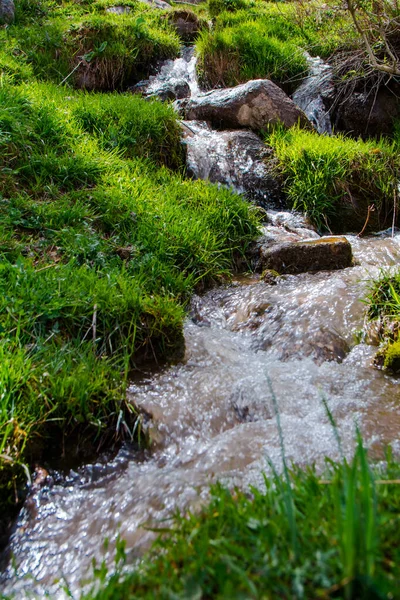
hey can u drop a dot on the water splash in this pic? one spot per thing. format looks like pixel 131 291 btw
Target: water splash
pixel 309 96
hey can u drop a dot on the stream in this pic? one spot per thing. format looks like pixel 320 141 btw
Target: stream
pixel 211 417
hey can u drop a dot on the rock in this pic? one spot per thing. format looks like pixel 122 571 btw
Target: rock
pixel 367 114
pixel 168 90
pixel 7 12
pixel 255 105
pixel 326 253
pixel 118 10
pixel 157 4
pixel 186 23
pixel 238 159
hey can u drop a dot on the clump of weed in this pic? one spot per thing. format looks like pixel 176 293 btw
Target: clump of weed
pixel 236 54
pixel 383 303
pixel 339 183
pixel 242 545
pixel 92 48
pixel 101 247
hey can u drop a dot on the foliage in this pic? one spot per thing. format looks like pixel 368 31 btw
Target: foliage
pixel 247 51
pixel 241 545
pixel 321 172
pixel 268 39
pixel 383 303
pixel 101 247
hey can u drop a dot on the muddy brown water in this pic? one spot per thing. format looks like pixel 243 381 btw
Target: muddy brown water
pixel 212 417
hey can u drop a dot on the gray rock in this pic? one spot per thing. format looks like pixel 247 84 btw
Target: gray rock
pixel 323 254
pixel 7 12
pixel 186 23
pixel 255 105
pixel 168 90
pixel 158 4
pixel 118 10
pixel 238 159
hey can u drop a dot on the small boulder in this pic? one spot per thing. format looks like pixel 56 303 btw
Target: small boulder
pixel 7 12
pixel 118 10
pixel 323 254
pixel 158 4
pixel 164 90
pixel 186 23
pixel 255 105
pixel 237 159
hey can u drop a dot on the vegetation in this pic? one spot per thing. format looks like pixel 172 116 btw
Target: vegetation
pixel 254 39
pixel 101 247
pixel 323 174
pixel 88 46
pixel 305 536
pixel 384 308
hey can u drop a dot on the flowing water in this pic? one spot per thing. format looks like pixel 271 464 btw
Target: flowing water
pixel 309 96
pixel 212 415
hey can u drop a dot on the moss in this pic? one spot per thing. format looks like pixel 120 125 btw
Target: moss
pixel 392 357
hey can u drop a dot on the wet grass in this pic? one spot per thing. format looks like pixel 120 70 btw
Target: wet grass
pixel 325 174
pixel 306 535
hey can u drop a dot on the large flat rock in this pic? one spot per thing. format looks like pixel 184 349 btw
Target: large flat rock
pixel 323 254
pixel 256 105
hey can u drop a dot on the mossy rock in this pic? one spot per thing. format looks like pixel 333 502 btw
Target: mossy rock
pixel 391 356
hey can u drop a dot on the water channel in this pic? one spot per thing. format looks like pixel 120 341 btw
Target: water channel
pixel 211 417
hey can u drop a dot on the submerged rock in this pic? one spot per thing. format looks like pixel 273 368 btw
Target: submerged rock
pixel 7 12
pixel 255 105
pixel 176 79
pixel 168 90
pixel 323 254
pixel 238 159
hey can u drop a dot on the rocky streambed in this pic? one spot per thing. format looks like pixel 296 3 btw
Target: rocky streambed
pixel 297 336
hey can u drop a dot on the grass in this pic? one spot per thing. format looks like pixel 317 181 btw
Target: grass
pixel 340 542
pixel 328 178
pixel 86 45
pixel 253 39
pixel 383 303
pixel 101 247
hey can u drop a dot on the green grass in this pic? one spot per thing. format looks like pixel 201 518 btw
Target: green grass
pixel 341 541
pixel 101 246
pixel 253 39
pixel 325 174
pixel 87 46
pixel 383 303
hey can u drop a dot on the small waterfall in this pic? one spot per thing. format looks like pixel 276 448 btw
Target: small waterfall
pixel 236 159
pixel 308 96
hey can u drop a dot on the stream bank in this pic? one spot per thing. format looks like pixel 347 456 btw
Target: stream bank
pixel 210 417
